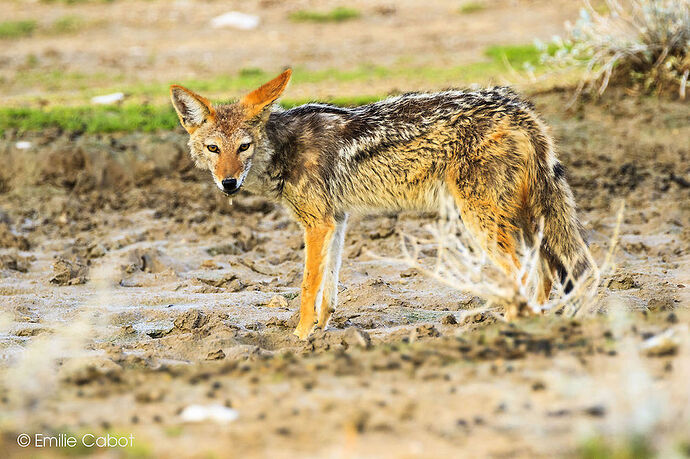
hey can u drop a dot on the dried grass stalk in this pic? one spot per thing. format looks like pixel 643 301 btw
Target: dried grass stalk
pixel 462 264
pixel 643 42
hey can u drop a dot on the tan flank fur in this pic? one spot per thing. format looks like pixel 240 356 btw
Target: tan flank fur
pixel 488 149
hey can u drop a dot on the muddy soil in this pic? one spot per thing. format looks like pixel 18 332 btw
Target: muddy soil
pixel 131 289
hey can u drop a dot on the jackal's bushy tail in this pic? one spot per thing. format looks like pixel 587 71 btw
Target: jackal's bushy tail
pixel 563 244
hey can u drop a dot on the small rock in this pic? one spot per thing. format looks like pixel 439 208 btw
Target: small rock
pixel 428 330
pixel 661 304
pixel 149 396
pixel 191 320
pixel 359 337
pixel 108 99
pixel 66 272
pixel 538 385
pixel 278 301
pixel 665 343
pixel 622 283
pixel 155 329
pixel 449 320
pixel 200 413
pixel 276 322
pixel 597 411
pixel 409 272
pixel 236 20
pixel 382 233
pixel 229 282
pixel 209 264
pixel 216 355
pixel 226 249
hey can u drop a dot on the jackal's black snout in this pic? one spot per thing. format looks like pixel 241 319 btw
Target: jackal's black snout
pixel 230 185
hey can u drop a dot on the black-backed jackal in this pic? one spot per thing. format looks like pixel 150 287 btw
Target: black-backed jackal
pixel 487 149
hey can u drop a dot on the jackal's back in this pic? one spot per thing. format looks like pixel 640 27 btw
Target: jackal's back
pixel 394 154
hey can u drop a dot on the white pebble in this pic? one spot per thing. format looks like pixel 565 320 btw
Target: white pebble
pixel 201 413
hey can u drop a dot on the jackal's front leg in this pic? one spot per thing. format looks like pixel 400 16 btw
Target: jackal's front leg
pixel 317 239
pixel 330 283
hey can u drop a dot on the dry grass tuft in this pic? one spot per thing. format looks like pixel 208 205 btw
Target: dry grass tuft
pixel 462 264
pixel 644 43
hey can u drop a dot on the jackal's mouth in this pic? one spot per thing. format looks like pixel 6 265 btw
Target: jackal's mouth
pixel 230 193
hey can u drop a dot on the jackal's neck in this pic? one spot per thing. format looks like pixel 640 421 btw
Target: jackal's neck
pixel 276 151
pixel 286 138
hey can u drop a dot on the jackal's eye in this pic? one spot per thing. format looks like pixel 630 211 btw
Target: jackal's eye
pixel 244 147
pixel 213 148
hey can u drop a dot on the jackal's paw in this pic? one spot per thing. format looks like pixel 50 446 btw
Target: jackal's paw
pixel 322 323
pixel 304 329
pixel 516 310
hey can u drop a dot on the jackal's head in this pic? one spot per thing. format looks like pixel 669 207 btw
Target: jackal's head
pixel 224 138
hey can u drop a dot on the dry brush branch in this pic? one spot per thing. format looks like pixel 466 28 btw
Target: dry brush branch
pixel 646 42
pixel 460 263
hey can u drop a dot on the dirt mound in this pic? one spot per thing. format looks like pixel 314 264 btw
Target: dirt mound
pixel 15 262
pixel 69 272
pixel 10 240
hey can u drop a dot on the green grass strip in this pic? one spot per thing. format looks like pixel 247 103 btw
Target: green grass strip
pixel 124 118
pixel 338 14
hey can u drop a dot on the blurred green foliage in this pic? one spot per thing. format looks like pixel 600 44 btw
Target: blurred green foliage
pixel 634 447
pixel 137 115
pixel 338 14
pixel 471 7
pixel 67 24
pixel 17 29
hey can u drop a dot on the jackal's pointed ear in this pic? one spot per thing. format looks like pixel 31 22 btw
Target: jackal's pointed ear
pixel 266 94
pixel 192 109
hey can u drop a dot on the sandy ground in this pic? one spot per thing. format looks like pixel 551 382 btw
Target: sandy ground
pixel 131 289
pixel 131 41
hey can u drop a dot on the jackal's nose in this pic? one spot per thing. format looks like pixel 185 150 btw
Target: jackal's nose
pixel 229 185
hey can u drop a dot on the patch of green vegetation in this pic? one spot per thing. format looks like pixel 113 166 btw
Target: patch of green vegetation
pixel 135 115
pixel 471 7
pixel 54 81
pixel 67 24
pixel 520 55
pixel 31 61
pixel 251 72
pixel 138 448
pixel 514 54
pixel 17 29
pixel 338 14
pixel 634 447
pixel 145 118
pixel 102 119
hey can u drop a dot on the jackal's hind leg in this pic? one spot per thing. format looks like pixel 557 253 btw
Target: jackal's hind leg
pixel 492 227
pixel 494 235
pixel 545 282
pixel 317 239
pixel 330 284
